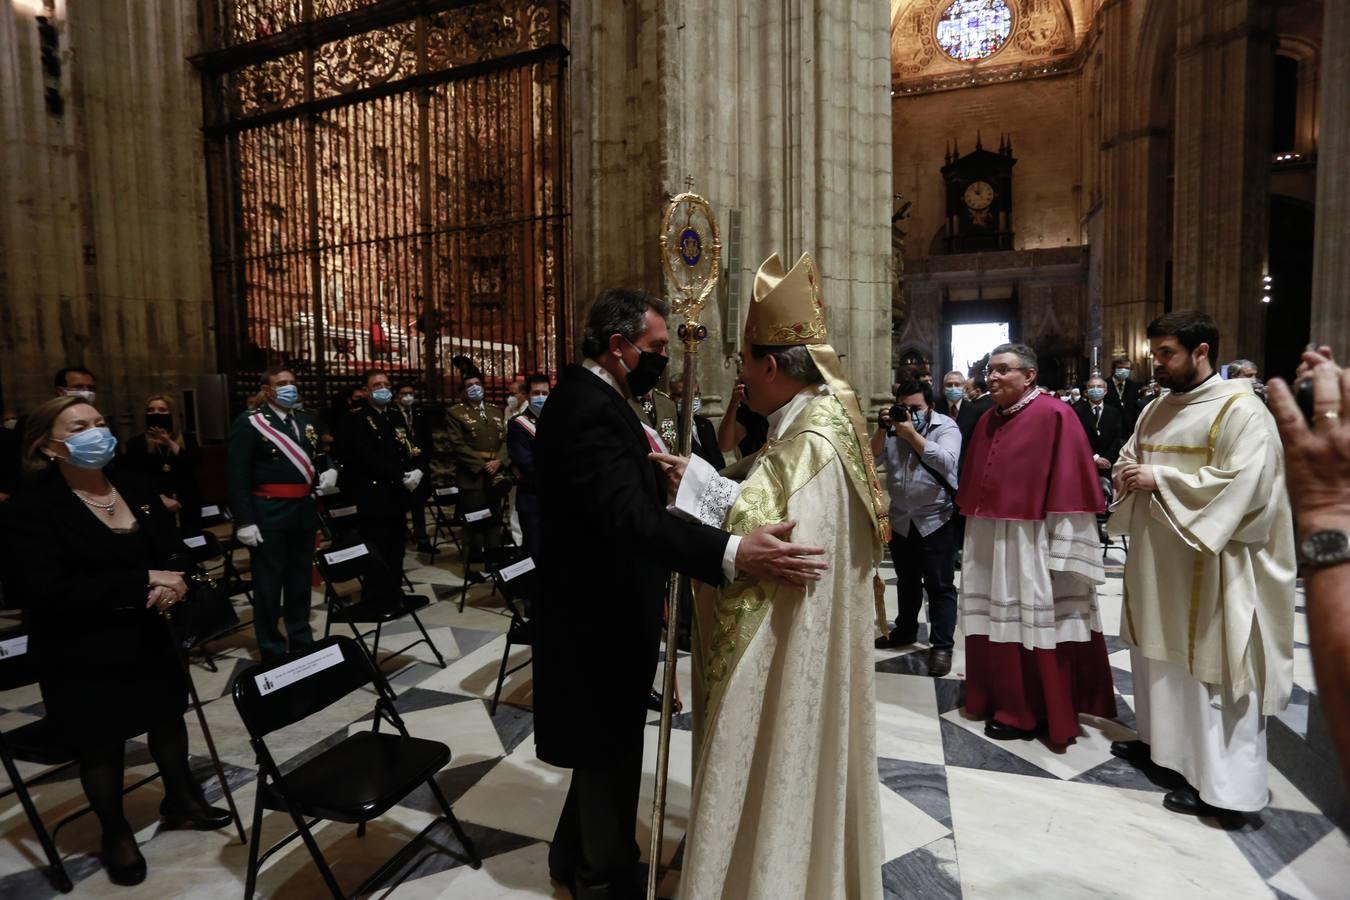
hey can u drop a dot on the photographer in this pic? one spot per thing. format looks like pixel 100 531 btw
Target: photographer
pixel 922 449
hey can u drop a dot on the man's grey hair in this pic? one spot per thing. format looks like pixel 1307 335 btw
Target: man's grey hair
pixel 1240 364
pixel 959 374
pixel 1021 351
pixel 618 311
pixel 794 362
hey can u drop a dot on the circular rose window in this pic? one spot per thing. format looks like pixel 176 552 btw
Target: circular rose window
pixel 971 30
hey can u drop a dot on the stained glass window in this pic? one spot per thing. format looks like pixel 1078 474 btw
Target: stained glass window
pixel 969 30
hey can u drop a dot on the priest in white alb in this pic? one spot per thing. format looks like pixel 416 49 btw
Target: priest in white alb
pixel 785 796
pixel 1209 580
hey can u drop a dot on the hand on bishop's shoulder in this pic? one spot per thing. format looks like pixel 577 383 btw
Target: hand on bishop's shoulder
pixel 767 553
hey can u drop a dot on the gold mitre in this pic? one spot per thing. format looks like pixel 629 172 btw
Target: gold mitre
pixel 786 309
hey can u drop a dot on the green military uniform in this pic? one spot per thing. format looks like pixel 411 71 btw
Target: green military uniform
pixel 478 436
pixel 269 491
pixel 658 410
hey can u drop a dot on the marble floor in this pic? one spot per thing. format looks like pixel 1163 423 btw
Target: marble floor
pixel 963 816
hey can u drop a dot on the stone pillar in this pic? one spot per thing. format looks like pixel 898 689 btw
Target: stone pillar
pixel 1331 262
pixel 104 258
pixel 1225 59
pixel 782 110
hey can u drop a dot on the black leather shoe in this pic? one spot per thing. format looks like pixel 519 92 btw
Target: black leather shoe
pixel 123 862
pixel 896 639
pixel 1000 732
pixel 939 662
pixel 475 578
pixel 1186 800
pixel 654 700
pixel 425 547
pixel 196 816
pixel 1133 752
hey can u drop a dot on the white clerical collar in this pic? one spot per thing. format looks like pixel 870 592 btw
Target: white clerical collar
pixel 782 417
pixel 602 373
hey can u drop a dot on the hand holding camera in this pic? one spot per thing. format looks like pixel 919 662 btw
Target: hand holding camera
pixel 1315 426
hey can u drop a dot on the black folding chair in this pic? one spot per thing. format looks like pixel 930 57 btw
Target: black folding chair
pixel 35 742
pixel 353 561
pixel 337 516
pixel 520 585
pixel 355 781
pixel 208 553
pixel 1108 492
pixel 443 504
pixel 484 522
pixel 215 516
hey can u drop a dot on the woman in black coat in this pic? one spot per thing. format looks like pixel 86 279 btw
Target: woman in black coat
pixel 86 556
pixel 166 457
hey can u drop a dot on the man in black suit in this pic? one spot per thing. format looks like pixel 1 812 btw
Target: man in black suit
pixel 412 425
pixel 1123 393
pixel 520 434
pixel 967 410
pixel 1103 422
pixel 609 545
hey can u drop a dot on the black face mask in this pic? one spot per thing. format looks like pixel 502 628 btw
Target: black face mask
pixel 159 420
pixel 648 372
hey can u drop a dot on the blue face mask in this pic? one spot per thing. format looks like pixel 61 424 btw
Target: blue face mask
pixel 953 394
pixel 1122 374
pixel 537 404
pixel 920 421
pixel 288 396
pixel 382 396
pixel 1096 394
pixel 474 392
pixel 92 448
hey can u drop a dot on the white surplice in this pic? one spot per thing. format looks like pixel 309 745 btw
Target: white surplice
pixel 1209 587
pixel 785 801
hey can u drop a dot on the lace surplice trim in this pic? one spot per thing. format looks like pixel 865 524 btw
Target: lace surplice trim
pixel 716 500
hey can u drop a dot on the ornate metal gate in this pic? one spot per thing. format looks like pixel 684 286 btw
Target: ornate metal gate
pixel 388 186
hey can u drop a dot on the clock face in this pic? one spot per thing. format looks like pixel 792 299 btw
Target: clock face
pixel 979 195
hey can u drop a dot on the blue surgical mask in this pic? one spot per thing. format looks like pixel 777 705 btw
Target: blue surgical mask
pixel 1096 395
pixel 92 448
pixel 953 394
pixel 1122 374
pixel 288 396
pixel 537 404
pixel 382 396
pixel 474 392
pixel 920 421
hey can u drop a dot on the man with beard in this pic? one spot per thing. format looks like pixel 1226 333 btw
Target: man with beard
pixel 1209 582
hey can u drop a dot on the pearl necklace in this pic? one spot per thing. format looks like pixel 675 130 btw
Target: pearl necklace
pixel 106 507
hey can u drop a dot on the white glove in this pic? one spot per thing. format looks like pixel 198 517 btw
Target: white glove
pixel 327 481
pixel 412 479
pixel 249 536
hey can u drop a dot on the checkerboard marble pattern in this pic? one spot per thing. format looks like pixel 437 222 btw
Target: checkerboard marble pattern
pixel 962 816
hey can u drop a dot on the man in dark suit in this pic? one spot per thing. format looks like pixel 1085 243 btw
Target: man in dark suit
pixel 967 410
pixel 413 427
pixel 520 434
pixel 378 474
pixel 1104 425
pixel 609 545
pixel 1122 392
pixel 704 443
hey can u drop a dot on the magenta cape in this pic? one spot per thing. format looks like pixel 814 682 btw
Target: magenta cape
pixel 1027 465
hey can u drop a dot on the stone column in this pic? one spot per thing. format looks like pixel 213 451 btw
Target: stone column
pixel 1225 58
pixel 1331 238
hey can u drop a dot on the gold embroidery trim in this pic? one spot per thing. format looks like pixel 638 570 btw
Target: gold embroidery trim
pixel 1198 572
pixel 1171 448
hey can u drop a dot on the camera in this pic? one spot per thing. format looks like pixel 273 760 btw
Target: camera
pixel 888 419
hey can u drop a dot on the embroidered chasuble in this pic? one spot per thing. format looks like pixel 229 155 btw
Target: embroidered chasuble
pixel 1209 580
pixel 785 796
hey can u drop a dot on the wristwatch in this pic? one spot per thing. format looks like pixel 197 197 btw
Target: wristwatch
pixel 1324 548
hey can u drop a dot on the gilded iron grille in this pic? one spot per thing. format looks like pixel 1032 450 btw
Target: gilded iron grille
pixel 388 184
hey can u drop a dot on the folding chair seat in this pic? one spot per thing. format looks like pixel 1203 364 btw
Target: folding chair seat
pixel 353 561
pixel 217 521
pixel 483 522
pixel 337 515
pixel 443 504
pixel 207 552
pixel 354 781
pixel 520 585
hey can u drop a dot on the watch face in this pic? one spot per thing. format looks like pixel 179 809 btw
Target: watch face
pixel 979 195
pixel 1326 546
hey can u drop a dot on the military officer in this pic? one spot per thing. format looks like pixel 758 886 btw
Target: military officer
pixel 273 455
pixel 478 438
pixel 657 409
pixel 413 426
pixel 378 473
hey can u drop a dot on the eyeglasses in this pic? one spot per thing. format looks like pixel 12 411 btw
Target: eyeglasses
pixel 1001 370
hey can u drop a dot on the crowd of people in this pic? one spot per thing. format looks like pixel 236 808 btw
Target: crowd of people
pixel 1191 466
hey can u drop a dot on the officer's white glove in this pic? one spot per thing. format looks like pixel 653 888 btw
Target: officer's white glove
pixel 327 481
pixel 249 536
pixel 412 479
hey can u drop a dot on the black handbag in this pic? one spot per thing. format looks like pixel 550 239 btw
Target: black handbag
pixel 206 612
